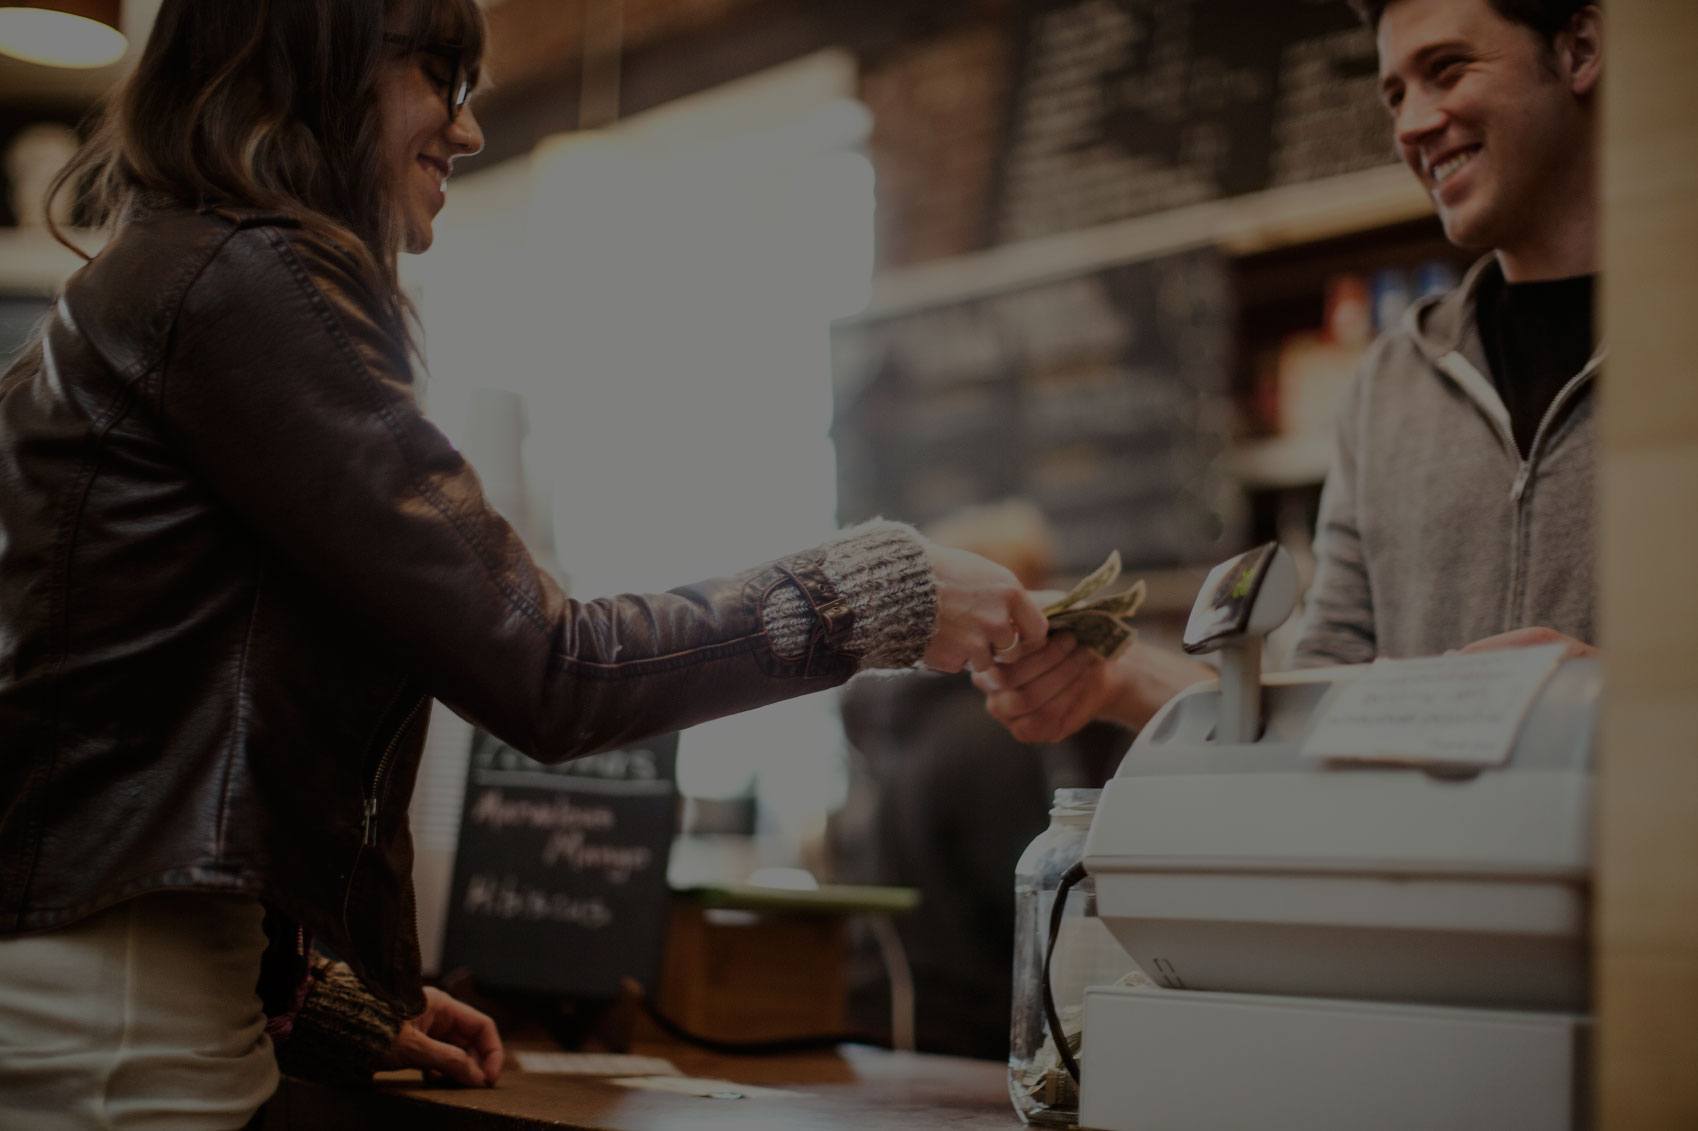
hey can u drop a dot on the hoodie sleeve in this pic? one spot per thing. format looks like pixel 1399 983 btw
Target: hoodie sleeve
pixel 1338 622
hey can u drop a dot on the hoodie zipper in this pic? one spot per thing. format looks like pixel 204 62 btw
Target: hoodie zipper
pixel 1518 491
pixel 1564 395
pixel 1524 476
pixel 1451 361
pixel 1462 371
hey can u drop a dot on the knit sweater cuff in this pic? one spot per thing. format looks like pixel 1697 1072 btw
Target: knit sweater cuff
pixel 880 569
pixel 342 1033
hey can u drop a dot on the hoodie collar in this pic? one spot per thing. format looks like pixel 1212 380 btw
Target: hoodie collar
pixel 1446 329
pixel 1447 323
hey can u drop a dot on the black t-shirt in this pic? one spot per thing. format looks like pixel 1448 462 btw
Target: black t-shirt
pixel 1537 337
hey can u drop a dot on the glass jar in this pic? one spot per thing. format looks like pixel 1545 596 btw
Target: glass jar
pixel 1086 954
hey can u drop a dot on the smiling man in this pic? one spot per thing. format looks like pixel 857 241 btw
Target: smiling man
pixel 1458 511
pixel 1459 508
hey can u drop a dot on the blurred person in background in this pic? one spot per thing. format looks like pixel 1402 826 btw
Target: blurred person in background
pixel 944 800
pixel 1458 512
pixel 236 563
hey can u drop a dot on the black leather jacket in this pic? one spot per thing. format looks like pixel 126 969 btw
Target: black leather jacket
pixel 235 562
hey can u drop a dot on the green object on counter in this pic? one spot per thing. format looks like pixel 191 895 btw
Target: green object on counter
pixel 829 899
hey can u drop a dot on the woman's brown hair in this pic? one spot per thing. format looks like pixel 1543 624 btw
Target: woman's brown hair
pixel 271 104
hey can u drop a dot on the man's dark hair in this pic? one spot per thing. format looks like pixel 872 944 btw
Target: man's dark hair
pixel 1547 17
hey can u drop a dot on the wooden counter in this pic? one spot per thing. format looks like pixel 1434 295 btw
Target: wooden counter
pixel 853 1089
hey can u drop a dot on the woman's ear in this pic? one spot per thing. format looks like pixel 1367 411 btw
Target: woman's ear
pixel 1580 50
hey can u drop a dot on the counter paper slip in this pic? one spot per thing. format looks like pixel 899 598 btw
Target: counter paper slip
pixel 1459 710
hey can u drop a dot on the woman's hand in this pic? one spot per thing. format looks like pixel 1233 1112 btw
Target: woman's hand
pixel 984 616
pixel 449 1039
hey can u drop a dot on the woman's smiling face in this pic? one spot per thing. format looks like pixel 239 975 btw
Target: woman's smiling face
pixel 420 141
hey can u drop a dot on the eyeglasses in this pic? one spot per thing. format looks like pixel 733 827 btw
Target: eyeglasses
pixel 457 91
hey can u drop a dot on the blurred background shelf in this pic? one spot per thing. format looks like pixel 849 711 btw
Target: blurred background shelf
pixel 1172 592
pixel 1280 462
pixel 1289 216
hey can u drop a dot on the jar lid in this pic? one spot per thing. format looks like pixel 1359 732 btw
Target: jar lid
pixel 1075 802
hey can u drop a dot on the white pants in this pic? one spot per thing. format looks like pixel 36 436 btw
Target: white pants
pixel 143 1016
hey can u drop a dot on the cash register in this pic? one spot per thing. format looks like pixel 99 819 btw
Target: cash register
pixel 1360 893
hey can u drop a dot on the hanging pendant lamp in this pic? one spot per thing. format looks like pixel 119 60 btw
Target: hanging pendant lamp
pixel 62 33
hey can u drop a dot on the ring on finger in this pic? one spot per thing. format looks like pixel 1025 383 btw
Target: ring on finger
pixel 1001 655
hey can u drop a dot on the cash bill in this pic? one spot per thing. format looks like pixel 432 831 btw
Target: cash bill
pixel 1101 622
pixel 1098 579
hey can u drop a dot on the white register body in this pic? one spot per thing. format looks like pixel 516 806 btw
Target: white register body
pixel 1338 944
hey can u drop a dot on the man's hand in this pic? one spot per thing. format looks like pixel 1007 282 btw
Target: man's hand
pixel 1532 638
pixel 449 1039
pixel 1050 695
pixel 984 616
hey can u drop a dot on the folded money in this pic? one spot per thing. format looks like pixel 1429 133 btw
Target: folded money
pixel 1100 623
pixel 1088 587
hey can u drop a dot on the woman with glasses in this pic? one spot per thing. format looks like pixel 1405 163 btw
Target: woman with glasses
pixel 236 563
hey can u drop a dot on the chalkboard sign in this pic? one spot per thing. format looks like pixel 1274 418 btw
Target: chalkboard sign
pixel 1122 108
pixel 1103 398
pixel 560 875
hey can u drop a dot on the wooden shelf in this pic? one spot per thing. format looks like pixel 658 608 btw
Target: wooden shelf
pixel 1245 225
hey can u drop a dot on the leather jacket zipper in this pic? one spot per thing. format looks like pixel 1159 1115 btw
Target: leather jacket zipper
pixel 368 834
pixel 374 791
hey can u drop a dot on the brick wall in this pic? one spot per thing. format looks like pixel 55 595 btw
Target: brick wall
pixel 935 79
pixel 938 108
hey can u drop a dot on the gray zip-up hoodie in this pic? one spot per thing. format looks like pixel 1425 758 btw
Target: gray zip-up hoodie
pixel 1433 531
